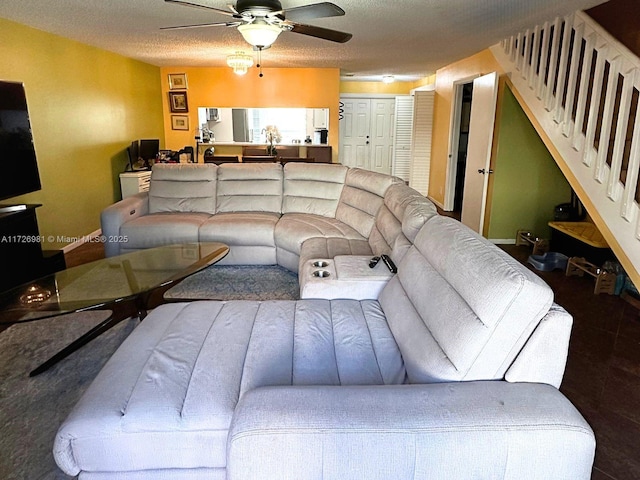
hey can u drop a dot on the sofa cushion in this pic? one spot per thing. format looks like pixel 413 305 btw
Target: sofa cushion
pixel 460 308
pixel 249 187
pixel 240 228
pixel 250 236
pixel 294 228
pixel 311 188
pixel 405 211
pixel 362 197
pixel 166 397
pixel 183 188
pixel 161 229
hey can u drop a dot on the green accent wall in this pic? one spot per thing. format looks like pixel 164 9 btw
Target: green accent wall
pixel 527 183
pixel 86 106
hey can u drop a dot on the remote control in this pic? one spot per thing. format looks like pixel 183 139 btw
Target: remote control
pixel 389 263
pixel 373 262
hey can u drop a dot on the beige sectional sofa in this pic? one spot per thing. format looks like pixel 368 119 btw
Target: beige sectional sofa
pixel 268 214
pixel 450 372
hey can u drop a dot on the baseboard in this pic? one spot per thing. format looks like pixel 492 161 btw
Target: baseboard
pixel 436 203
pixel 82 240
pixel 503 241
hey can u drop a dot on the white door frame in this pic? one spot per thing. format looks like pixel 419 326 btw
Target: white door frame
pixel 454 140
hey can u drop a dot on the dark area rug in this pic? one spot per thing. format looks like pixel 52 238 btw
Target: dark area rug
pixel 31 409
pixel 238 282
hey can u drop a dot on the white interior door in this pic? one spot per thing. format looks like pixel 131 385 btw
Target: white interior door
pixel 476 181
pixel 354 132
pixel 381 133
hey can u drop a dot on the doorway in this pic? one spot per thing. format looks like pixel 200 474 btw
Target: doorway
pixel 466 92
pixel 470 184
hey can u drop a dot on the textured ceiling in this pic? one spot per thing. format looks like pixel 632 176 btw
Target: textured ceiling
pixel 409 38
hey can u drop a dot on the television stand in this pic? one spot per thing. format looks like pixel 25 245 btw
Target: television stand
pixel 21 253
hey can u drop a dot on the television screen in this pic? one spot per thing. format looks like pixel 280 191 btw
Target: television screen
pixel 17 153
pixel 149 149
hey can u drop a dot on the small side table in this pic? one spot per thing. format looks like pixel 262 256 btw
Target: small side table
pixel 134 182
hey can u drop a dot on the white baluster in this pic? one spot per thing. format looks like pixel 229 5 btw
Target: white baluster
pixel 577 137
pixel 614 186
pixel 535 59
pixel 567 126
pixel 526 67
pixel 546 32
pixel 592 123
pixel 562 71
pixel 555 47
pixel 602 169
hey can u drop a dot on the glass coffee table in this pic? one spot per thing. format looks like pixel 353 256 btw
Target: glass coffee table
pixel 127 284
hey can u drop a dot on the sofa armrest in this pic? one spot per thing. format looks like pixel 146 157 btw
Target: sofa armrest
pixel 112 218
pixel 463 430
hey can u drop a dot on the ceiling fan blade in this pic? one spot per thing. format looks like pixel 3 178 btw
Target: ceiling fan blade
pixel 315 10
pixel 319 32
pixel 199 25
pixel 205 7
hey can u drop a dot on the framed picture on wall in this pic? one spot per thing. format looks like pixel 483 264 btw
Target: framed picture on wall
pixel 179 122
pixel 177 81
pixel 178 102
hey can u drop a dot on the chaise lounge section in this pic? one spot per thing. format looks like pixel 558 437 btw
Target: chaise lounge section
pixel 451 372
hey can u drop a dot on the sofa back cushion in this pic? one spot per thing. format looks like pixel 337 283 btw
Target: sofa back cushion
pixel 460 308
pixel 398 220
pixel 312 188
pixel 362 197
pixel 250 187
pixel 189 187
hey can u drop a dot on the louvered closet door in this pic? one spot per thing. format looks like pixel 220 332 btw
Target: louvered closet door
pixel 421 141
pixel 401 162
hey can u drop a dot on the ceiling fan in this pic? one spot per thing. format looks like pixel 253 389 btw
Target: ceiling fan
pixel 261 21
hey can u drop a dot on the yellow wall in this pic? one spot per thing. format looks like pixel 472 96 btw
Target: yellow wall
pixel 86 105
pixel 479 64
pixel 279 87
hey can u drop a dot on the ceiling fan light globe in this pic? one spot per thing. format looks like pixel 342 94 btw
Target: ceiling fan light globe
pixel 259 34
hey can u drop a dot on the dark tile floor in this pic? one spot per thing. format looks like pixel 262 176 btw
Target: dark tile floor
pixel 602 377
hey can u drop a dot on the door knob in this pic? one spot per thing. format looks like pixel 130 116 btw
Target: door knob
pixel 483 171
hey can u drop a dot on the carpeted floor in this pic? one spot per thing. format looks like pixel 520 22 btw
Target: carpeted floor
pixel 31 409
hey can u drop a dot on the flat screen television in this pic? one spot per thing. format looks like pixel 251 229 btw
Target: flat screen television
pixel 149 148
pixel 17 153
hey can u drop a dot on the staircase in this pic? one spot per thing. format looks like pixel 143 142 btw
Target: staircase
pixel 580 88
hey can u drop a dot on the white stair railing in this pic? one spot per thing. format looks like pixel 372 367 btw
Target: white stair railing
pixel 582 87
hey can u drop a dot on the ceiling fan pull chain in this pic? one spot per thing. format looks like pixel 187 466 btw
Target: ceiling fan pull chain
pixel 259 65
